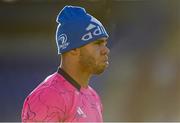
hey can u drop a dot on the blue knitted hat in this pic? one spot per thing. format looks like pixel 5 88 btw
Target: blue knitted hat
pixel 77 28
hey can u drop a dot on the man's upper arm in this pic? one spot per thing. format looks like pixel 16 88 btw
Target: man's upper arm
pixel 46 105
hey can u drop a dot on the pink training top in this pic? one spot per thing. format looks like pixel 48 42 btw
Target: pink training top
pixel 60 98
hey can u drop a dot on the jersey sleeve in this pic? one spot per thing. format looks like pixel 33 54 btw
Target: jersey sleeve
pixel 44 105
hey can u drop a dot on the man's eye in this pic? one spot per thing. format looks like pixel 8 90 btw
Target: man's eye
pixel 98 43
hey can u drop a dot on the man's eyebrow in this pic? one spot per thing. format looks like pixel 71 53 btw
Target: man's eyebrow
pixel 100 41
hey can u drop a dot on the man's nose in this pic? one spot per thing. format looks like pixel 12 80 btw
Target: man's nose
pixel 105 50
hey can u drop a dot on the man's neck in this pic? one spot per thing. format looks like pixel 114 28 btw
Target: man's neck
pixel 81 77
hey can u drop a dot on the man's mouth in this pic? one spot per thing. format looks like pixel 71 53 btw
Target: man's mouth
pixel 106 61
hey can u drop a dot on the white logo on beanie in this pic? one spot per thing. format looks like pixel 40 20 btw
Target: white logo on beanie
pixel 98 30
pixel 62 39
pixel 91 26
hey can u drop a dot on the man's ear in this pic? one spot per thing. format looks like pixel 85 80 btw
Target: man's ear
pixel 75 51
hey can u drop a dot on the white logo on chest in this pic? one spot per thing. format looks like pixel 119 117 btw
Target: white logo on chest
pixel 80 112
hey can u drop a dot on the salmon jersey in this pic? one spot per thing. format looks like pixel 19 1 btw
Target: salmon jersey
pixel 60 98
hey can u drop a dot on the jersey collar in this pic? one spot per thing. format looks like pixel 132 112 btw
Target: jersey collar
pixel 69 78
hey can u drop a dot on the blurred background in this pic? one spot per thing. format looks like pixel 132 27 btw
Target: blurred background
pixel 142 82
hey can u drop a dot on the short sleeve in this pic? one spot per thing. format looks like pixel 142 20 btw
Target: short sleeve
pixel 45 105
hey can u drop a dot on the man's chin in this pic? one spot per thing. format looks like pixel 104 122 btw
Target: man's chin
pixel 99 71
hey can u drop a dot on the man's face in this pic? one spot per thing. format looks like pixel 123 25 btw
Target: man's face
pixel 94 56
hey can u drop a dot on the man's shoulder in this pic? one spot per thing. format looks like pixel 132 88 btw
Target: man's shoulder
pixel 53 85
pixel 43 101
pixel 91 89
pixel 93 92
